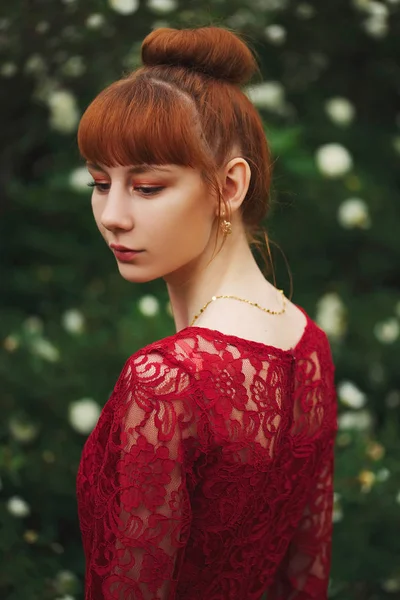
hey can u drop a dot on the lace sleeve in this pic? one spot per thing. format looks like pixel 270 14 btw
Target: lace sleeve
pixel 149 512
pixel 304 572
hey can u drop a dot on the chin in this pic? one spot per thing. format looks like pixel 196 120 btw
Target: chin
pixel 137 277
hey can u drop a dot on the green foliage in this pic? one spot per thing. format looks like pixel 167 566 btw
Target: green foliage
pixel 69 322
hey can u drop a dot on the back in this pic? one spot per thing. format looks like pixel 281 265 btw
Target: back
pixel 241 487
pixel 262 494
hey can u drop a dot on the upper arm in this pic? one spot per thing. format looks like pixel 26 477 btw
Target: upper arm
pixel 149 510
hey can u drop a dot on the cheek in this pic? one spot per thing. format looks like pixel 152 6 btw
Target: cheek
pixel 97 210
pixel 177 234
pixel 184 227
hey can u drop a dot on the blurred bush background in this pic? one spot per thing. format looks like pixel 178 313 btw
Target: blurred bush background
pixel 330 101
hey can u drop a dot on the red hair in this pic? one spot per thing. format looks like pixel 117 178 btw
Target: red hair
pixel 185 106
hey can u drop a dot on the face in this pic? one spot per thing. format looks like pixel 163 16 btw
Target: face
pixel 166 212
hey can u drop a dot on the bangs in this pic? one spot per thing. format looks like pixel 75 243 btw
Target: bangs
pixel 136 121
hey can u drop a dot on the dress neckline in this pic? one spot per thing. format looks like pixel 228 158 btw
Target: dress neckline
pixel 215 333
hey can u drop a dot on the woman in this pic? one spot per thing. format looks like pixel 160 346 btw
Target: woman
pixel 209 473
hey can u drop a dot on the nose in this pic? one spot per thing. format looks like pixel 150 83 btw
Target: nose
pixel 116 213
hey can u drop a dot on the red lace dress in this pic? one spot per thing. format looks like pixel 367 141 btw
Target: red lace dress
pixel 209 473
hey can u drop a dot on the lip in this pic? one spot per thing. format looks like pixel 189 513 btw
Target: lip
pixel 123 248
pixel 124 254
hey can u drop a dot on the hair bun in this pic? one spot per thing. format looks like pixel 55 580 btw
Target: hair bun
pixel 211 50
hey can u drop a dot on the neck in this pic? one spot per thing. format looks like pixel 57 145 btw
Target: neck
pixel 233 271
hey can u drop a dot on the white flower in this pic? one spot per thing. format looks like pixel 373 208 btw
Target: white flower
pixel 270 94
pixel 84 414
pixel 64 114
pixel 79 179
pixel 65 597
pixel 73 67
pixel 18 507
pixel 376 26
pixel 337 514
pixel 46 86
pixel 353 212
pixel 276 34
pixel 42 27
pixel 377 9
pixel 350 395
pixel 33 325
pixel 124 7
pixel 392 400
pixel 45 349
pixel 65 582
pixel 358 420
pixel 22 431
pixel 333 160
pixel 305 10
pixel 391 585
pixel 242 18
pixel 331 315
pixel 269 5
pixel 367 6
pixel 73 321
pixel 396 144
pixel 11 343
pixel 340 110
pixel 56 547
pixel 387 331
pixel 382 475
pixel 95 21
pixel 35 65
pixel 162 6
pixel 8 69
pixel 149 306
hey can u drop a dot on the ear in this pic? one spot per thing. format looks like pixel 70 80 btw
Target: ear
pixel 235 180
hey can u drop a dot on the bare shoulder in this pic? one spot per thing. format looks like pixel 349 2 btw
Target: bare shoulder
pixel 283 331
pixel 296 322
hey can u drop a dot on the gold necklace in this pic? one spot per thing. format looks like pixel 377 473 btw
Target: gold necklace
pixel 267 310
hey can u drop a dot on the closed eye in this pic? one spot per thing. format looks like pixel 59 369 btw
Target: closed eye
pixel 98 186
pixel 144 190
pixel 149 191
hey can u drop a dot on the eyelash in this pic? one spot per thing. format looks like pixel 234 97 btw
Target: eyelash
pixel 153 190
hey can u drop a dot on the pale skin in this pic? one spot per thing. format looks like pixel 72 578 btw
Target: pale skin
pixel 170 213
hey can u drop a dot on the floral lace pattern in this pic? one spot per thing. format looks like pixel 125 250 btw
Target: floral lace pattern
pixel 210 472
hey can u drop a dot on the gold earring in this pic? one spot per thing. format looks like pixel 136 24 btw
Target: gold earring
pixel 226 227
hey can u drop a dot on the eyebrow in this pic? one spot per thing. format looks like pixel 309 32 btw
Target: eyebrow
pixel 139 169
